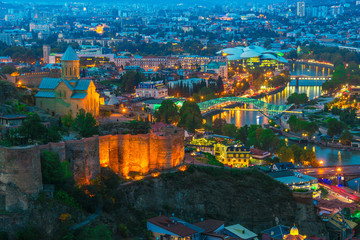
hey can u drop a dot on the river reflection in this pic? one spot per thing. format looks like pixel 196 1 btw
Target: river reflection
pixel 334 157
pixel 241 118
pixel 330 156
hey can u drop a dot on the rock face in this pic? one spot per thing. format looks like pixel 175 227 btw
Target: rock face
pixel 248 197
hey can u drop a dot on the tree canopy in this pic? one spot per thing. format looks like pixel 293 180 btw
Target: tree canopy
pixel 190 116
pixel 167 112
pixel 85 124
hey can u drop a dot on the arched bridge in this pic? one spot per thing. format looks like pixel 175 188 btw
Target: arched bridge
pixel 265 108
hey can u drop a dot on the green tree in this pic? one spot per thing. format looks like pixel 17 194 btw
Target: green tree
pixel 286 154
pixel 67 120
pixel 85 124
pixel 167 112
pixel 297 98
pixel 229 130
pixel 335 127
pixel 52 169
pixel 297 151
pixel 8 69
pixel 218 124
pixel 130 80
pixel 346 137
pixel 242 134
pixel 99 232
pixel 190 116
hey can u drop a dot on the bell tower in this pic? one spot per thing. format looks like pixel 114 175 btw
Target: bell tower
pixel 70 65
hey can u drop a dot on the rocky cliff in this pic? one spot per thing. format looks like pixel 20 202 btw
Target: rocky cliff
pixel 247 197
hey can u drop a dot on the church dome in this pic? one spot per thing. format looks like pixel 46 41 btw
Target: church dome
pixel 294 231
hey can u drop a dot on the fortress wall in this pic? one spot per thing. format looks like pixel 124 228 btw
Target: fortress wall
pixel 75 155
pixel 34 79
pixel 83 156
pixel 58 147
pixel 178 148
pixel 163 152
pixel 20 176
pixel 21 166
pixel 91 151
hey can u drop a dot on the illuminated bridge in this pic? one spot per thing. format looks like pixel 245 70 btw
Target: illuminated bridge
pixel 267 109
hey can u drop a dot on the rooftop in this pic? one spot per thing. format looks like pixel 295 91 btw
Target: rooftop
pixel 70 55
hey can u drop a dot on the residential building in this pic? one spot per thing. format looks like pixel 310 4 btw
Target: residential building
pixel 165 228
pixel 300 11
pixel 295 180
pixel 275 233
pixel 234 156
pixel 151 89
pixel 46 54
pixel 282 166
pixel 238 231
pixel 69 93
pixel 12 120
pixel 339 227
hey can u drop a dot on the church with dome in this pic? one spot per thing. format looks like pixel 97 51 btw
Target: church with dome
pixel 294 234
pixel 68 94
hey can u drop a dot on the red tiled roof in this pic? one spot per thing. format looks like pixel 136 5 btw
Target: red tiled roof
pixel 209 225
pixel 336 205
pixel 172 226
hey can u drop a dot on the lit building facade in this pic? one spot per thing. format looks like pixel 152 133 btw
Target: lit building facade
pixel 151 89
pixel 234 156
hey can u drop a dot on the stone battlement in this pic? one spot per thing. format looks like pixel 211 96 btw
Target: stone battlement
pixel 20 167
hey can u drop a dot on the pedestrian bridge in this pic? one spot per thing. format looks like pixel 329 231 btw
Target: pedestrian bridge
pixel 265 108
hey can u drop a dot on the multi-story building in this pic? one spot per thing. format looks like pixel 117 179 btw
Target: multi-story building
pixel 185 62
pixel 234 156
pixel 46 53
pixel 151 89
pixel 300 9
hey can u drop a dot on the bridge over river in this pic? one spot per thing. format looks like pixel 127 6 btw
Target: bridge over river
pixel 335 174
pixel 265 108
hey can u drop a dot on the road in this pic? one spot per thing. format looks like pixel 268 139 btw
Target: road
pixel 341 193
pixel 352 170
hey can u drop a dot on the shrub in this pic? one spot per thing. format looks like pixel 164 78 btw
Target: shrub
pixel 3 235
pixel 65 198
pixel 29 233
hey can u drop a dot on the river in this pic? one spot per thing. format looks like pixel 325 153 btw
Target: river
pixel 329 156
pixel 241 118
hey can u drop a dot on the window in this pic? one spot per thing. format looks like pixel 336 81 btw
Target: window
pixel 70 70
pixel 242 155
